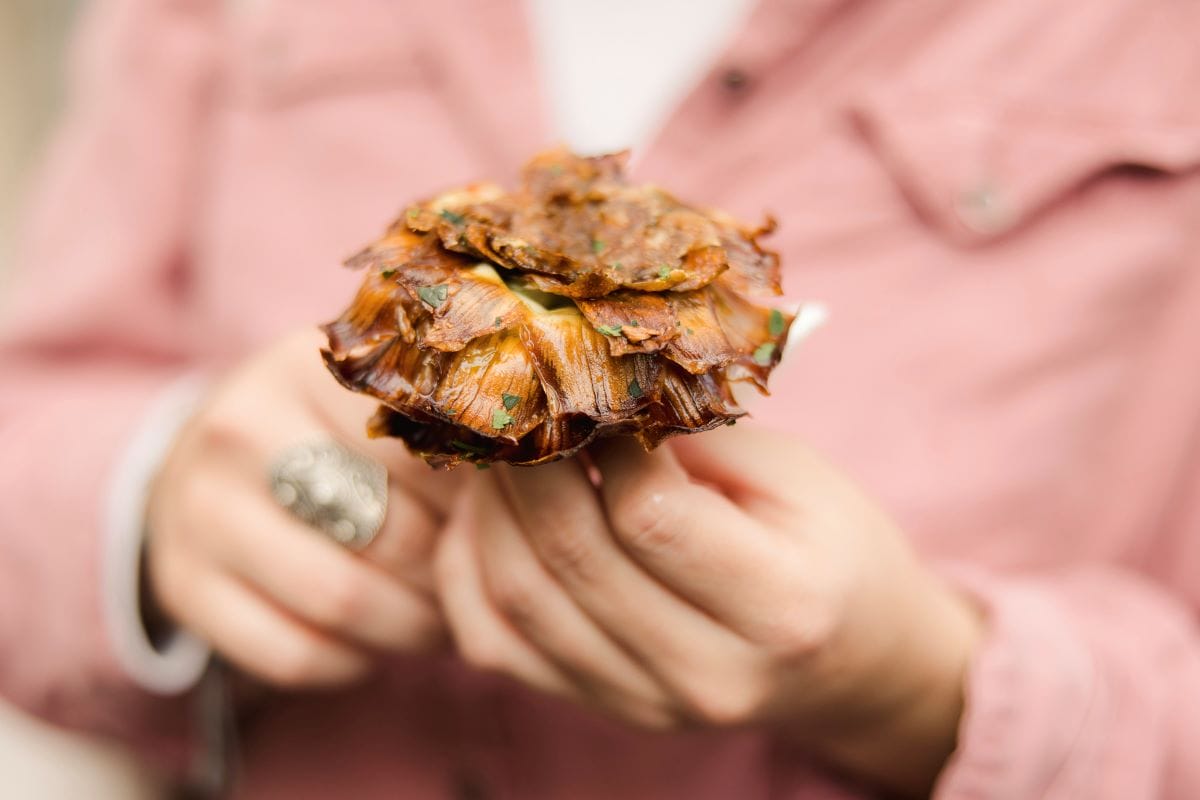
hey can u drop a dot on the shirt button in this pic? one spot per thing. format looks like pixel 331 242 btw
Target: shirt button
pixel 734 79
pixel 983 209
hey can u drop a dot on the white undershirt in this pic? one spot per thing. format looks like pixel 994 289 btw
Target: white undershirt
pixel 613 71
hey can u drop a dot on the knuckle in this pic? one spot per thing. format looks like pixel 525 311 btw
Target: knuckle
pixel 515 599
pixel 565 550
pixel 338 601
pixel 649 524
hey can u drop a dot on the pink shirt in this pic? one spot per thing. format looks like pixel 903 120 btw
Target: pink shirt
pixel 999 201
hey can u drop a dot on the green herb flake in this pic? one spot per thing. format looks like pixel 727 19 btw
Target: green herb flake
pixel 501 419
pixel 664 272
pixel 434 295
pixel 635 324
pixel 609 330
pixel 764 353
pixel 452 218
pixel 616 265
pixel 387 273
pixel 635 389
pixel 598 246
pixel 691 332
pixel 556 169
pixel 775 325
pixel 482 465
pixel 450 412
pixel 414 212
pixel 731 422
pixel 467 448
pixel 498 321
pixel 510 401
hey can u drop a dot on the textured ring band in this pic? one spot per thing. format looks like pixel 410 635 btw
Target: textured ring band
pixel 333 489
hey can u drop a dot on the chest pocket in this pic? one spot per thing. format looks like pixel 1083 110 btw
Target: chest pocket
pixel 979 165
pixel 284 52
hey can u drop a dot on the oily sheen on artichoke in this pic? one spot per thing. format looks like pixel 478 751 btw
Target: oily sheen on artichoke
pixel 520 326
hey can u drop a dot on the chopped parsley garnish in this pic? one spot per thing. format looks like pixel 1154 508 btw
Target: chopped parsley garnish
pixel 598 246
pixel 501 418
pixel 510 400
pixel 731 422
pixel 609 330
pixel 764 353
pixel 775 325
pixel 387 273
pixel 414 212
pixel 433 295
pixel 452 218
pixel 450 412
pixel 635 389
pixel 467 448
pixel 664 272
pixel 616 265
pixel 635 323
pixel 498 322
pixel 690 332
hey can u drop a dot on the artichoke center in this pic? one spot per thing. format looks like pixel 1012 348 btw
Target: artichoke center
pixel 536 300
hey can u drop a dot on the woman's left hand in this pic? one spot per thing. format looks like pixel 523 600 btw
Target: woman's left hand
pixel 723 580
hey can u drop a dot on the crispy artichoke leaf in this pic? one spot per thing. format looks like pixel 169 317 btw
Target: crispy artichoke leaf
pixel 689 404
pixel 490 387
pixel 578 223
pixel 633 322
pixel 580 375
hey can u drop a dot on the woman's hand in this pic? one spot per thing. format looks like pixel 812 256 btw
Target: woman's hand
pixel 727 579
pixel 274 596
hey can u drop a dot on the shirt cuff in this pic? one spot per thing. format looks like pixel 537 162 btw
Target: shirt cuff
pixel 175 664
pixel 1031 694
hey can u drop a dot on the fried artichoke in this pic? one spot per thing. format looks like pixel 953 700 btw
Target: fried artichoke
pixel 520 326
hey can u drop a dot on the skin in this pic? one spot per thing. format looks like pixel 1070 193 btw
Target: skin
pixel 277 599
pixel 725 580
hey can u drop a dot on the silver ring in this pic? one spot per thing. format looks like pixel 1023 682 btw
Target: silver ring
pixel 337 491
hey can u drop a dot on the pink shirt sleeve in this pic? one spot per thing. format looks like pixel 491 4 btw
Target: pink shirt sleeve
pixel 94 333
pixel 1088 685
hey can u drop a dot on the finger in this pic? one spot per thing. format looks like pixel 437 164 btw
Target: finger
pixel 748 463
pixel 693 539
pixel 560 516
pixel 525 594
pixel 263 641
pixel 405 542
pixel 316 579
pixel 483 638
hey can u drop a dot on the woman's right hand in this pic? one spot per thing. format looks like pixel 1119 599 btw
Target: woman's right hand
pixel 272 595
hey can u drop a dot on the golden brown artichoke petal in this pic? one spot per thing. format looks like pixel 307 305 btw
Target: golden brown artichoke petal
pixel 578 373
pixel 757 332
pixel 633 322
pixel 490 387
pixel 471 305
pixel 689 404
